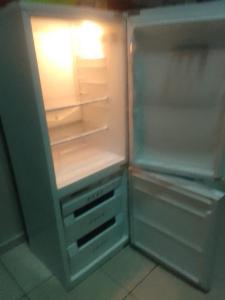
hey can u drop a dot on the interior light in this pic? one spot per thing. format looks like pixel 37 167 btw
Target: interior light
pixel 89 40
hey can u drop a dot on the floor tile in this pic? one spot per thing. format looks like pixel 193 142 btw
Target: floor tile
pixel 98 286
pixel 128 268
pixel 27 270
pixel 163 285
pixel 9 289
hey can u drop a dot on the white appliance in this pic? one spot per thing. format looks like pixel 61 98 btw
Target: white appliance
pixel 67 114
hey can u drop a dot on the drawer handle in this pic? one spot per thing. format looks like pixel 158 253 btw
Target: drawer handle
pixel 91 235
pixel 83 209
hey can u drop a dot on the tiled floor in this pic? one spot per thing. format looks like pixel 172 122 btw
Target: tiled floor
pixel 128 275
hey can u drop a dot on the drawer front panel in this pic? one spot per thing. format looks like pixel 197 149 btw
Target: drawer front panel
pixel 86 251
pixel 87 210
pixel 79 203
pixel 75 227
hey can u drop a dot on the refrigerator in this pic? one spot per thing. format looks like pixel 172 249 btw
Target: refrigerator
pixel 115 129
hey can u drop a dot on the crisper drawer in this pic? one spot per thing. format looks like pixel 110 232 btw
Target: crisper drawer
pixel 90 209
pixel 90 249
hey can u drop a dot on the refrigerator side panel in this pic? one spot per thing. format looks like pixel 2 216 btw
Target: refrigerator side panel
pixel 20 111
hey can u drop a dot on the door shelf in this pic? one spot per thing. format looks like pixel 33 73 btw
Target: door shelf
pixel 71 132
pixel 101 99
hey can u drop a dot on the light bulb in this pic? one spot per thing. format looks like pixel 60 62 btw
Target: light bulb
pixel 88 38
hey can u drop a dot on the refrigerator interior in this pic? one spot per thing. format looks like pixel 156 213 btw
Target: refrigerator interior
pixel 179 105
pixel 82 78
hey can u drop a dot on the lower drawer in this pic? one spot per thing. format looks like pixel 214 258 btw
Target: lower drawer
pixel 93 246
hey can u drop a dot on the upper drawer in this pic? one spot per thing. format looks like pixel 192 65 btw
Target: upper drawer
pixel 89 210
pixel 80 203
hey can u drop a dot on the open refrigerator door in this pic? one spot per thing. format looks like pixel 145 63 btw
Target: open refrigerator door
pixel 177 90
pixel 177 113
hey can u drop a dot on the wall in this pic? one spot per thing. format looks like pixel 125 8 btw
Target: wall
pixel 11 222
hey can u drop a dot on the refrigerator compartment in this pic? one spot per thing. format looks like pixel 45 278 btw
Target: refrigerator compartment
pixel 179 106
pixel 188 217
pixel 189 262
pixel 81 158
pixel 81 112
pixel 93 247
pixel 85 212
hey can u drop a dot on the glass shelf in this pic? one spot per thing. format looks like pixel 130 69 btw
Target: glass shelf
pixel 70 132
pixel 102 99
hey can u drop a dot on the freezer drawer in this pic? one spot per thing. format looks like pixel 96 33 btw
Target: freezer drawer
pixel 89 210
pixel 174 225
pixel 95 246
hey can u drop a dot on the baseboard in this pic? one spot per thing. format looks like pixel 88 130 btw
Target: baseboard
pixel 13 242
